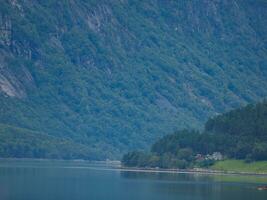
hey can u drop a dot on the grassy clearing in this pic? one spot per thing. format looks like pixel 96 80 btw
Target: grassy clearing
pixel 241 166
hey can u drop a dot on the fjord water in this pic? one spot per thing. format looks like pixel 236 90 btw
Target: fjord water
pixel 70 180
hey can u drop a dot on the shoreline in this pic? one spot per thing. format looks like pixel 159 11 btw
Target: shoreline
pixel 191 171
pixel 116 165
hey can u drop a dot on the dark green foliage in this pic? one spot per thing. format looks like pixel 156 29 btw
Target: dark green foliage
pixel 238 134
pixel 136 158
pixel 23 143
pixel 117 75
pixel 141 159
pixel 248 121
pixel 246 128
pixel 259 151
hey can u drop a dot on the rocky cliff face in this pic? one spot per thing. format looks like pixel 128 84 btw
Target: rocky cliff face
pixel 16 78
pixel 119 74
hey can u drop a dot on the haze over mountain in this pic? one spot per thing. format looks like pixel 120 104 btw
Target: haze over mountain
pixel 100 77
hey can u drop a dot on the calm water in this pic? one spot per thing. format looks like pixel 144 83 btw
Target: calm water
pixel 61 180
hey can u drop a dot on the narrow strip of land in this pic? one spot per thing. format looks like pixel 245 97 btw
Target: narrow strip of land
pixel 190 171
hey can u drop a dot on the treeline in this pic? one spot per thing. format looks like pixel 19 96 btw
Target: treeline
pixel 23 143
pixel 238 134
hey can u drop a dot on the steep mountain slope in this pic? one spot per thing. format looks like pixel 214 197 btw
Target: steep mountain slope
pixel 116 75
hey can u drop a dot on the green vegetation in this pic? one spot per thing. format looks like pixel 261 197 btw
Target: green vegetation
pixel 178 150
pixel 238 134
pixel 23 143
pixel 241 166
pixel 117 75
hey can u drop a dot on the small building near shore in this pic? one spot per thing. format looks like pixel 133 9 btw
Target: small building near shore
pixel 216 156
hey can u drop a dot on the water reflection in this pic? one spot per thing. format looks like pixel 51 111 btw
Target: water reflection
pixel 58 180
pixel 199 186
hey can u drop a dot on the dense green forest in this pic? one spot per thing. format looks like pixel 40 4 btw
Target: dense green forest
pixel 117 75
pixel 238 134
pixel 23 143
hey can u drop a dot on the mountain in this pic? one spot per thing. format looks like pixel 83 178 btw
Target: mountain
pixel 238 134
pixel 114 76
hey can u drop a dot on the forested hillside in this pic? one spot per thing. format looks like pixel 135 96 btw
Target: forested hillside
pixel 114 76
pixel 239 134
pixel 24 143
